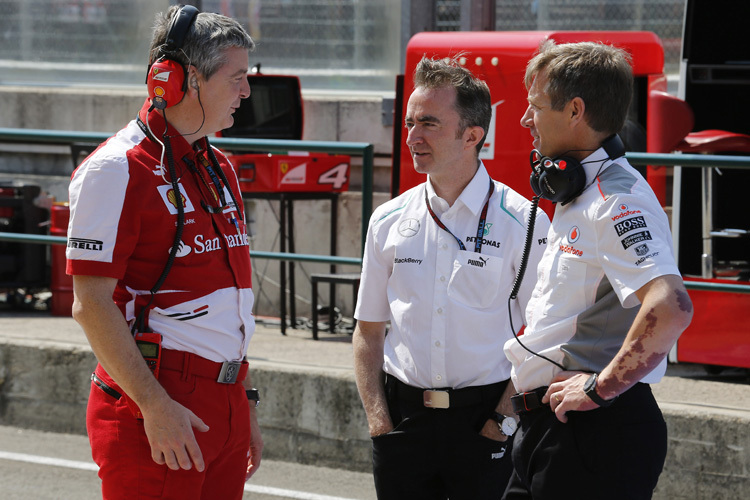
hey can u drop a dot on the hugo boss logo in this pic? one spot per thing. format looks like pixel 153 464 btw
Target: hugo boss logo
pixel 628 225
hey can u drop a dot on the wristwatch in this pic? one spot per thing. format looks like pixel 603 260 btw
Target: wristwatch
pixel 253 395
pixel 590 389
pixel 507 425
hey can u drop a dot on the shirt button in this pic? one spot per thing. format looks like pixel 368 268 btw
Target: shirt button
pixel 440 310
pixel 444 246
pixel 438 377
pixel 442 278
pixel 437 343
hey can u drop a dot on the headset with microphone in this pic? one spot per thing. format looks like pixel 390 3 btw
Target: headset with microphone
pixel 563 178
pixel 166 77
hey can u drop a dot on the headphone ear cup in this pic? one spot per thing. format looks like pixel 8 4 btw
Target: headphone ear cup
pixel 534 181
pixel 559 180
pixel 535 160
pixel 166 83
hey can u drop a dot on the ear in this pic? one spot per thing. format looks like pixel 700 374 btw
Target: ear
pixel 192 80
pixel 576 109
pixel 472 136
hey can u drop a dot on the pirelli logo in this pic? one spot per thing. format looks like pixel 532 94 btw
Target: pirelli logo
pixel 84 244
pixel 630 224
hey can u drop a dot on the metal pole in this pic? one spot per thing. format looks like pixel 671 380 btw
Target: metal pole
pixel 368 162
pixel 707 260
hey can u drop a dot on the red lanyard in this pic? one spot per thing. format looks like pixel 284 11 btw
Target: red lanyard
pixel 480 227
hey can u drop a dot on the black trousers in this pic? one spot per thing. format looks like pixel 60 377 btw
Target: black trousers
pixel 607 453
pixel 437 454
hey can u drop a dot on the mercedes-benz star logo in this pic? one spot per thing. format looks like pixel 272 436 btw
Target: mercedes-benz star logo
pixel 408 228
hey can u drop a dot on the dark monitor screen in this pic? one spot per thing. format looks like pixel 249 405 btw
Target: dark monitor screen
pixel 273 110
pixel 715 32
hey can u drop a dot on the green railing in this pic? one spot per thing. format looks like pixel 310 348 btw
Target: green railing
pixel 36 136
pixel 332 259
pixel 688 160
pixel 299 257
pixel 365 150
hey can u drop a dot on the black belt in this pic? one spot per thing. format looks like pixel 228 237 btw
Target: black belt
pixel 444 398
pixel 524 402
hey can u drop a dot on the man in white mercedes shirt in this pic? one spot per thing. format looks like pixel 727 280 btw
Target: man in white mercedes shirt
pixel 439 264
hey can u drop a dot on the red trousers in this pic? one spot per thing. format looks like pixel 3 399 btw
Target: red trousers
pixel 122 452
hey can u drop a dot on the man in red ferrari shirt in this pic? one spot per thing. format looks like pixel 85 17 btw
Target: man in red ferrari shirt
pixel 159 255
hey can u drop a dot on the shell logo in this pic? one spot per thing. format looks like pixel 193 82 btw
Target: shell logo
pixel 173 199
pixel 158 91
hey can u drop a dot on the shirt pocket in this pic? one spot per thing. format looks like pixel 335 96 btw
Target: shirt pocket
pixel 566 295
pixel 476 279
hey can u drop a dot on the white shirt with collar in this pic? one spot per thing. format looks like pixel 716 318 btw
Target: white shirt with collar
pixel 601 248
pixel 448 308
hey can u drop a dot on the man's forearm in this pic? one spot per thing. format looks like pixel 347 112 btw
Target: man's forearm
pixel 368 371
pixel 114 347
pixel 664 315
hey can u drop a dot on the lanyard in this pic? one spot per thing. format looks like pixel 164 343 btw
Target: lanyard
pixel 480 227
pixel 201 155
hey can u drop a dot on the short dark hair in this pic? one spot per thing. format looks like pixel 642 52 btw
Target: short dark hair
pixel 599 74
pixel 206 42
pixel 473 102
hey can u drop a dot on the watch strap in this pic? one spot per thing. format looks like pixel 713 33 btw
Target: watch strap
pixel 253 395
pixel 590 390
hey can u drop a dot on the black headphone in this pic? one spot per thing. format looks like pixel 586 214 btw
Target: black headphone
pixel 563 178
pixel 166 77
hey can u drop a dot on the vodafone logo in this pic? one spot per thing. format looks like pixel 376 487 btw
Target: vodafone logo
pixel 625 213
pixel 574 234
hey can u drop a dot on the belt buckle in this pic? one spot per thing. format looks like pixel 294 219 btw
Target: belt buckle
pixel 531 401
pixel 525 402
pixel 229 372
pixel 436 399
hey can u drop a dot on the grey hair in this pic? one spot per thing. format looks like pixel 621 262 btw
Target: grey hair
pixel 206 42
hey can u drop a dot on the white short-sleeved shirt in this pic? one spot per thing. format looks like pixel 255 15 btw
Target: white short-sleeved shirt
pixel 448 308
pixel 601 248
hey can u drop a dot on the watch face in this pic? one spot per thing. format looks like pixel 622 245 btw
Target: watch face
pixel 508 426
